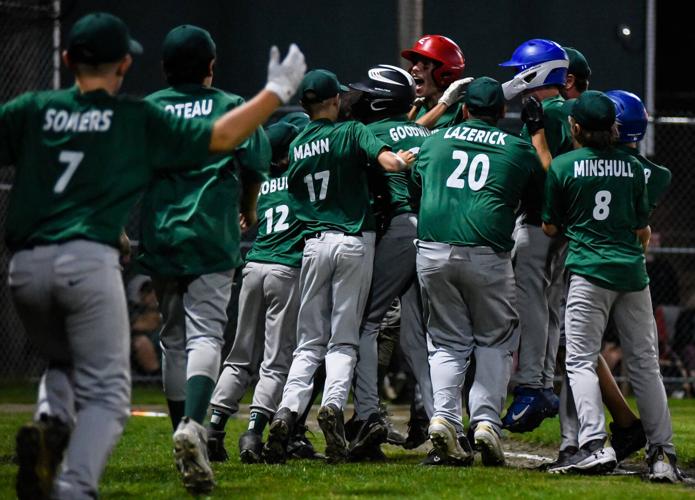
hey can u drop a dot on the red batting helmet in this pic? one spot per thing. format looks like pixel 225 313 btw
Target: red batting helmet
pixel 442 50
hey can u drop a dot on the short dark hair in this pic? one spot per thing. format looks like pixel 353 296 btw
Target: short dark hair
pixel 599 139
pixel 182 72
pixel 581 84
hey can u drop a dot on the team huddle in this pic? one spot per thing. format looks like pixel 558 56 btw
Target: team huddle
pixel 396 195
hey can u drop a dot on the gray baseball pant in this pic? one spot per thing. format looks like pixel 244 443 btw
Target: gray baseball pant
pixel 468 298
pixel 266 335
pixel 195 315
pixel 71 300
pixel 394 275
pixel 539 267
pixel 588 307
pixel 334 283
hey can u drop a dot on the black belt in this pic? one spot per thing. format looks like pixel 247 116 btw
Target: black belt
pixel 318 234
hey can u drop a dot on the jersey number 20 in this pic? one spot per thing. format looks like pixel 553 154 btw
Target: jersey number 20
pixel 480 160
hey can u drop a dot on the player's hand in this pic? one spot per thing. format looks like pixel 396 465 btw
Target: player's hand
pixel 419 102
pixel 407 156
pixel 284 77
pixel 247 221
pixel 455 92
pixel 532 114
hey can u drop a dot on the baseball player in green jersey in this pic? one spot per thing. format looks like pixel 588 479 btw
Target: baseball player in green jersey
pixel 471 178
pixel 328 193
pixel 385 97
pixel 541 75
pixel 82 157
pixel 597 196
pixel 437 66
pixel 268 306
pixel 190 242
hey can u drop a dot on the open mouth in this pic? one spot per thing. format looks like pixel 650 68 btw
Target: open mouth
pixel 419 83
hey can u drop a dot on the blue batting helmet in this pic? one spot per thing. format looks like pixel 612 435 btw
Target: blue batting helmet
pixel 630 115
pixel 538 62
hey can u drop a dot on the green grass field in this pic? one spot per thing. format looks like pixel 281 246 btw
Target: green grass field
pixel 142 466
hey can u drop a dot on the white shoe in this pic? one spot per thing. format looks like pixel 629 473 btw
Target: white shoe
pixel 190 452
pixel 445 441
pixel 488 443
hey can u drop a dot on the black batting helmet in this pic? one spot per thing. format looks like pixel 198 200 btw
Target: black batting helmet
pixel 387 89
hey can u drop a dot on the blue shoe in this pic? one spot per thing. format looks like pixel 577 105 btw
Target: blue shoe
pixel 527 411
pixel 552 407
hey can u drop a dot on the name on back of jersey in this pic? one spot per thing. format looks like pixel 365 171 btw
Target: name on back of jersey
pixel 94 120
pixel 202 107
pixel 275 184
pixel 403 131
pixel 312 148
pixel 492 137
pixel 602 168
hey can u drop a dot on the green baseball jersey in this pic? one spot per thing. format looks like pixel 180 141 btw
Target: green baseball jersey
pixel 600 198
pixel 399 133
pixel 558 135
pixel 658 178
pixel 327 176
pixel 280 238
pixel 190 219
pixel 451 116
pixel 470 179
pixel 82 160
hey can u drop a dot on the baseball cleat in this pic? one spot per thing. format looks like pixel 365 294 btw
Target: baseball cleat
pixel 330 419
pixel 527 411
pixel 191 455
pixel 433 458
pixel 447 443
pixel 275 449
pixel 627 441
pixel 417 430
pixel 488 442
pixel 662 466
pixel 562 458
pixel 300 447
pixel 372 432
pixel 393 436
pixel 216 449
pixel 250 448
pixel 595 457
pixel 40 449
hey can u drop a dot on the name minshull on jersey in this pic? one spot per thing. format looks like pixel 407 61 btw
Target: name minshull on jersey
pixel 492 137
pixel 310 149
pixel 602 168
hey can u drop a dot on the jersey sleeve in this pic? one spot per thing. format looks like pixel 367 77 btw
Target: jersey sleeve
pixel 174 142
pixel 641 201
pixel 658 183
pixel 254 155
pixel 12 120
pixel 369 143
pixel 552 204
pixel 415 185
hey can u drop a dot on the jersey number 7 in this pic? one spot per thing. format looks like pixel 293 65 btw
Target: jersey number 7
pixel 72 159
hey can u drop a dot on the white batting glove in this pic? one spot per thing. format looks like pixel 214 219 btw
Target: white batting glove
pixel 284 77
pixel 455 92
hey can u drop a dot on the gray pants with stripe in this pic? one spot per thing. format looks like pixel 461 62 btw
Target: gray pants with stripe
pixel 394 275
pixel 195 315
pixel 71 301
pixel 266 335
pixel 334 283
pixel 588 307
pixel 468 299
pixel 539 267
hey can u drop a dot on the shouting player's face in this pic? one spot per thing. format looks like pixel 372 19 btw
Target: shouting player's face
pixel 422 74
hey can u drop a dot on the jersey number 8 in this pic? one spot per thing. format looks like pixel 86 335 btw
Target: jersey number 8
pixel 601 209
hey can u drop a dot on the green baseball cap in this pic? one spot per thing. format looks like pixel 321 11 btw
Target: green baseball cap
pixel 98 38
pixel 578 65
pixel 319 85
pixel 188 43
pixel 281 134
pixel 297 118
pixel 484 96
pixel 594 111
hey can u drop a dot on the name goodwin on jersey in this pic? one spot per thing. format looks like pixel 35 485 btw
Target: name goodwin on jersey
pixel 95 120
pixel 191 109
pixel 312 149
pixel 403 131
pixel 602 168
pixel 494 138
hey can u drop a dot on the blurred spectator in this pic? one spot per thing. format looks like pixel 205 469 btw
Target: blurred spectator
pixel 663 280
pixel 145 322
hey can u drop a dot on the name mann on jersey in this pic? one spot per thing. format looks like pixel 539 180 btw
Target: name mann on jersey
pixel 275 184
pixel 311 149
pixel 191 109
pixel 602 168
pixel 95 120
pixel 494 138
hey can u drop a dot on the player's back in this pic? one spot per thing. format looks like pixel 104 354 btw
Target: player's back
pixel 602 194
pixel 657 177
pixel 472 178
pixel 81 160
pixel 327 176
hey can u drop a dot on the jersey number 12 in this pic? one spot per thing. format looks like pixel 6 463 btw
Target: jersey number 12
pixel 281 224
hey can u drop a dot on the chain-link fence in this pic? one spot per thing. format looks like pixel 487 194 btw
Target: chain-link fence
pixel 29 61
